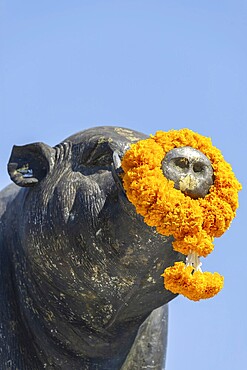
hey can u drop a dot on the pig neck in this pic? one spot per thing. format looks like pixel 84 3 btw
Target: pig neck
pixel 55 342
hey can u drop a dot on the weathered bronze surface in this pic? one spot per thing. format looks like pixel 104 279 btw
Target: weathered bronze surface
pixel 190 170
pixel 79 269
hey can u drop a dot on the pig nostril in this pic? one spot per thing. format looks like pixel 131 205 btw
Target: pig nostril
pixel 181 162
pixel 198 167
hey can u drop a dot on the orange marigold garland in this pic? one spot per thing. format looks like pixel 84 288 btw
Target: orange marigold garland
pixel 193 222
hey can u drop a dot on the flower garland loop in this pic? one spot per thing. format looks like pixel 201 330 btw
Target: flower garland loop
pixel 193 222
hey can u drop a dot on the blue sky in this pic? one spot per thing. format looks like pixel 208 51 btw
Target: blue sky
pixel 148 65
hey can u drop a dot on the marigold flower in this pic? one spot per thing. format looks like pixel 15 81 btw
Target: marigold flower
pixel 195 285
pixel 201 243
pixel 193 222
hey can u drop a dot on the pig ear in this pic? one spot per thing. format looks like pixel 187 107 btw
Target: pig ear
pixel 29 164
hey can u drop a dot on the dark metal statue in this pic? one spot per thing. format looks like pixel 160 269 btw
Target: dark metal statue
pixel 79 269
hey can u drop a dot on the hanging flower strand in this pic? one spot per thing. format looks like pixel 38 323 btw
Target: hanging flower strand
pixel 193 222
pixel 190 281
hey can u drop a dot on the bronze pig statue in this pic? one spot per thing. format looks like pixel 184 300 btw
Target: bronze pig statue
pixel 80 271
